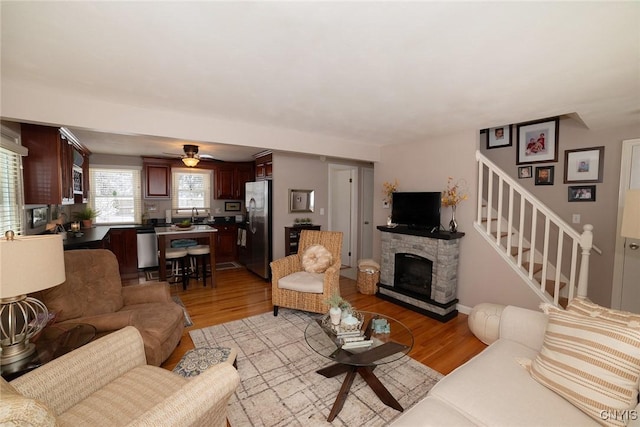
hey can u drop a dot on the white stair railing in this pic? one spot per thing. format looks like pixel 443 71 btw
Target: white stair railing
pixel 535 242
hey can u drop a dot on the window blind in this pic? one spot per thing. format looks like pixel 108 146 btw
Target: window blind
pixel 116 195
pixel 191 189
pixel 11 187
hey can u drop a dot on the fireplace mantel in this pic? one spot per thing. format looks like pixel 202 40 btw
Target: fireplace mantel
pixel 403 229
pixel 442 249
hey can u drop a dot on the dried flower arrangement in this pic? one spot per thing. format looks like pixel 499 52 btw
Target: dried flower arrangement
pixel 388 189
pixel 455 193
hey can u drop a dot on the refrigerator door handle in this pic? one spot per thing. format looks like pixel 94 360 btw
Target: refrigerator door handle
pixel 252 215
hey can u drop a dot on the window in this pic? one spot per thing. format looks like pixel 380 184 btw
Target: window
pixel 191 189
pixel 11 188
pixel 115 194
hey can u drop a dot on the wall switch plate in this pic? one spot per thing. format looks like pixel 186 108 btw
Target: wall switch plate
pixel 575 218
pixel 321 211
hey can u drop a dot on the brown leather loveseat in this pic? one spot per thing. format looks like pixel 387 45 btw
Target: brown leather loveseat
pixel 93 294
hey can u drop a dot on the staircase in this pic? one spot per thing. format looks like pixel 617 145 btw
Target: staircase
pixel 535 242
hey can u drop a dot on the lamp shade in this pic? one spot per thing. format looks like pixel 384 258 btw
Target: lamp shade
pixel 30 264
pixel 190 161
pixel 631 215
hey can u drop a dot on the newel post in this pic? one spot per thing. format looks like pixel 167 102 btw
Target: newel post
pixel 586 243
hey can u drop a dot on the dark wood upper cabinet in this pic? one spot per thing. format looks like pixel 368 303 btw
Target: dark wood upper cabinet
pixel 51 171
pixel 264 167
pixel 230 178
pixel 157 178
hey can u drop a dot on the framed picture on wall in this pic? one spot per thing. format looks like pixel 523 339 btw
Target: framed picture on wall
pixel 232 206
pixel 525 172
pixel 537 141
pixel 584 165
pixel 499 137
pixel 582 193
pixel 544 175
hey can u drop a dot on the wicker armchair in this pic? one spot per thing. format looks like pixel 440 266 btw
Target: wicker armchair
pixel 307 301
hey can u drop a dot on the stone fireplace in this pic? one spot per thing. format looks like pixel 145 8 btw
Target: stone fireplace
pixel 419 270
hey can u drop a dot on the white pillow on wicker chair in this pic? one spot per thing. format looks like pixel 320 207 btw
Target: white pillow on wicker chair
pixel 316 259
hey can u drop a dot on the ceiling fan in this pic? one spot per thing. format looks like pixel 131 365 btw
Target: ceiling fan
pixel 191 157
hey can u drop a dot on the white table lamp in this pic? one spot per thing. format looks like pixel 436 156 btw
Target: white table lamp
pixel 631 215
pixel 27 264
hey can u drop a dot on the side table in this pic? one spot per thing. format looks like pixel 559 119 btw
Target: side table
pixel 53 342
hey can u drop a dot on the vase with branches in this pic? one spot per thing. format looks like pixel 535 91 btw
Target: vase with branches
pixel 455 193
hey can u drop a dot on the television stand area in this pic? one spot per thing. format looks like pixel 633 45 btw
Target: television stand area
pixel 429 285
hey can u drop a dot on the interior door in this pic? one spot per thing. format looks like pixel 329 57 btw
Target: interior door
pixel 366 217
pixel 626 286
pixel 343 197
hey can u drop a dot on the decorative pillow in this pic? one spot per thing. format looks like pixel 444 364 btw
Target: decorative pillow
pixel 585 307
pixel 316 259
pixel 591 362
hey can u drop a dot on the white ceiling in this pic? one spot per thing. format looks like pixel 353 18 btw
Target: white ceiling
pixel 374 73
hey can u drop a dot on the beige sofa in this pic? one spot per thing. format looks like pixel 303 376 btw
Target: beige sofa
pixel 93 294
pixel 494 389
pixel 108 383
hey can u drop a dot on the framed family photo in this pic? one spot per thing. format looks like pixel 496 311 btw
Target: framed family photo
pixel 537 141
pixel 544 175
pixel 584 165
pixel 582 193
pixel 524 172
pixel 499 137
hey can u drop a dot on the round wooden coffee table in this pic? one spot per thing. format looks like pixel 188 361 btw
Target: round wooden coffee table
pixel 390 340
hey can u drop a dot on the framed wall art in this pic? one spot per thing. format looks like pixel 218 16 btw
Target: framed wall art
pixel 232 206
pixel 301 200
pixel 499 137
pixel 584 165
pixel 525 172
pixel 582 193
pixel 538 141
pixel 544 175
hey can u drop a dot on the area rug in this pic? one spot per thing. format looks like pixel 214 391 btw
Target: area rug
pixel 187 318
pixel 279 384
pixel 227 265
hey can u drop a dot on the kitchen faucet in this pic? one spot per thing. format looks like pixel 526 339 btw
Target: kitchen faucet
pixel 194 216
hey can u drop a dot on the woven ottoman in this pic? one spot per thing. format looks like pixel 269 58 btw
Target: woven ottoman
pixel 199 359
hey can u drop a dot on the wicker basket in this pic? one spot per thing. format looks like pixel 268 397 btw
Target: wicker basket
pixel 368 281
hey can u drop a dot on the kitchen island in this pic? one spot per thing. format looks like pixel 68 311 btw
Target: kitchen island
pixel 198 232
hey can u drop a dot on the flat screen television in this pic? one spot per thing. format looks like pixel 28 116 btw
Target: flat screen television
pixel 419 210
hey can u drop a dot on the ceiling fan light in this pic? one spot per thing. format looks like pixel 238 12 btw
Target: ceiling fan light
pixel 190 161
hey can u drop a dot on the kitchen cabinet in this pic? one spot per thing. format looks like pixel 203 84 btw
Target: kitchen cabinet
pixel 123 242
pixel 229 180
pixel 157 178
pixel 57 167
pixel 227 243
pixel 264 167
pixel 292 237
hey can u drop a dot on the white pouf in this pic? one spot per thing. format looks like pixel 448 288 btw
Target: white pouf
pixel 484 321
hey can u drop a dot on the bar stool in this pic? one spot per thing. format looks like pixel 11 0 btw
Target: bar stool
pixel 176 255
pixel 203 252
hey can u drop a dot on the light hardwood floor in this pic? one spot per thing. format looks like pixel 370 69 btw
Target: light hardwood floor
pixel 240 293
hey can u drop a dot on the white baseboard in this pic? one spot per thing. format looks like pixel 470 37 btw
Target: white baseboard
pixel 463 309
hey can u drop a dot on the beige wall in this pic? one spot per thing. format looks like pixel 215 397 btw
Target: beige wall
pixel 483 276
pixel 602 213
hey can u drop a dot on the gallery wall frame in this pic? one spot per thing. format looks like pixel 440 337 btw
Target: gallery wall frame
pixel 525 172
pixel 499 137
pixel 584 165
pixel 544 175
pixel 582 193
pixel 537 141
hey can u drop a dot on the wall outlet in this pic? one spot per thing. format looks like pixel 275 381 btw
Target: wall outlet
pixel 385 204
pixel 575 218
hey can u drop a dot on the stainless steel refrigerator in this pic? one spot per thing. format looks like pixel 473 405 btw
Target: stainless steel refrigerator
pixel 258 239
